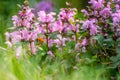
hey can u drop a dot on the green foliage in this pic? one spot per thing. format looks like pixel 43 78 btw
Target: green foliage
pixel 59 68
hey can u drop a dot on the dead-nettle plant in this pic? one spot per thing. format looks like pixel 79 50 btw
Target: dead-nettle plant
pixel 25 29
pixel 33 30
pixel 102 28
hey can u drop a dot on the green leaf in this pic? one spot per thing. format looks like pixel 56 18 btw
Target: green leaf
pixel 109 42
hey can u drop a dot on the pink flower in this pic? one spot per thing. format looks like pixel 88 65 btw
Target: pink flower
pixel 15 37
pixel 97 4
pixel 58 26
pixel 42 16
pixel 50 53
pixel 116 18
pixel 30 15
pixel 51 42
pixel 74 28
pixel 25 35
pixel 58 42
pixel 61 41
pixel 15 20
pixel 26 23
pixel 90 24
pixel 93 29
pixel 106 12
pixel 40 28
pixel 84 42
pixel 66 14
pixel 46 18
pixel 85 12
pixel 34 35
pixel 117 7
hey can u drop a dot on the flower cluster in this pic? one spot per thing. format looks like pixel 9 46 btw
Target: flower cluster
pixel 103 18
pixel 38 30
pixel 25 29
pixel 52 30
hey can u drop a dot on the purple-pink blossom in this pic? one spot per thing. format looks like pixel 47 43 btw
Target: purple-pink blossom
pixel 46 18
pixel 50 53
pixel 106 12
pixel 97 4
pixel 90 24
pixel 116 18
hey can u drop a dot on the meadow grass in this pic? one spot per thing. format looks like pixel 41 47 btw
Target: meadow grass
pixel 32 68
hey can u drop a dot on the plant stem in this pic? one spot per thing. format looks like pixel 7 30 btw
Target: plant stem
pixel 47 38
pixel 31 47
pixel 75 36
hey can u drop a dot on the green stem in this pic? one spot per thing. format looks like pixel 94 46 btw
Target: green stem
pixel 47 38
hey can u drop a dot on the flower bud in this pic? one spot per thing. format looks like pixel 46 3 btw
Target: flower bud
pixel 26 3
